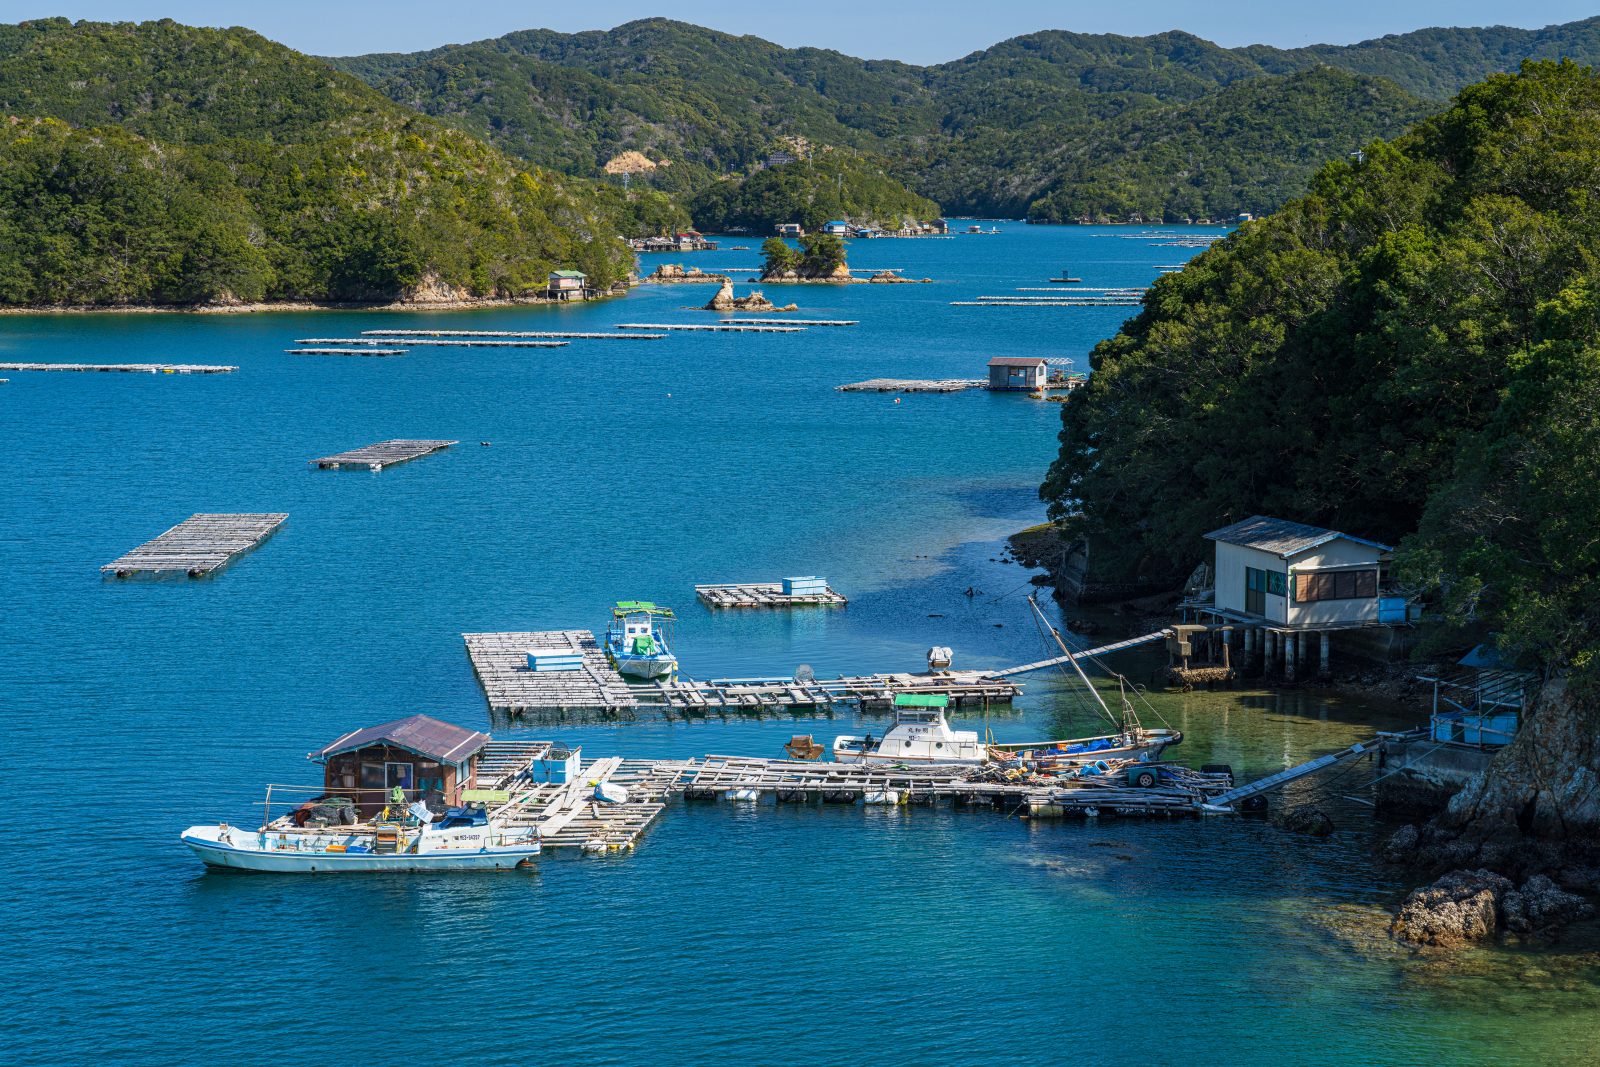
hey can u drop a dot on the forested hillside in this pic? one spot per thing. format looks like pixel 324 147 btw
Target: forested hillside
pixel 158 163
pixel 829 185
pixel 1410 352
pixel 990 133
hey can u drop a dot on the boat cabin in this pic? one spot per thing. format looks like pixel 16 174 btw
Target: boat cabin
pixel 1295 575
pixel 1026 373
pixel 424 758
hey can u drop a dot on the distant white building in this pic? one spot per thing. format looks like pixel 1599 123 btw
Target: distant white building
pixel 1297 576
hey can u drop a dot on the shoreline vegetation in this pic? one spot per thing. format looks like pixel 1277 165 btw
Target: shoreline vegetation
pixel 259 306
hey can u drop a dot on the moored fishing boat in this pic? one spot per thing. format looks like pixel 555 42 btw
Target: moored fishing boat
pixel 637 642
pixel 920 734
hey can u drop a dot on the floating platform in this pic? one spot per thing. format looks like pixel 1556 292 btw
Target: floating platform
pixel 763 595
pixel 590 335
pixel 513 688
pixel 713 327
pixel 463 342
pixel 912 385
pixel 1021 303
pixel 383 454
pixel 198 545
pixel 789 321
pixel 124 368
pixel 346 351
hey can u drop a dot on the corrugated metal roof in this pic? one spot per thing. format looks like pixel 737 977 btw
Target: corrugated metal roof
pixel 1282 537
pixel 1016 361
pixel 414 733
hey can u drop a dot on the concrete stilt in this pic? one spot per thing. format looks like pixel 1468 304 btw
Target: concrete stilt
pixel 1272 651
pixel 1291 655
pixel 1323 668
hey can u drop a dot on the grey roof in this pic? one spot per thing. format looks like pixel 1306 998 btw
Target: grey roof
pixel 1282 537
pixel 1016 361
pixel 415 733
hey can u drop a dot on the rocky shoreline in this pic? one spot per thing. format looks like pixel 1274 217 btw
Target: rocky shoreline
pixel 1512 857
pixel 253 307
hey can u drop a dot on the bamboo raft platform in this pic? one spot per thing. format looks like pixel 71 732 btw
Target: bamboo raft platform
pixel 912 385
pixel 597 692
pixel 590 335
pixel 123 368
pixel 198 545
pixel 762 595
pixel 346 351
pixel 500 661
pixel 1087 302
pixel 719 327
pixel 788 322
pixel 383 454
pixel 464 342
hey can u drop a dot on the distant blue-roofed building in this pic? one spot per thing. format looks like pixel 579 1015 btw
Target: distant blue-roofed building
pixel 837 227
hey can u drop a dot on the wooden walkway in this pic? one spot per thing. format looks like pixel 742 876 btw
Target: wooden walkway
pixel 124 368
pixel 345 351
pixel 712 328
pixel 512 688
pixel 912 385
pixel 788 321
pixel 381 455
pixel 590 335
pixel 1090 302
pixel 762 595
pixel 413 342
pixel 1088 653
pixel 198 545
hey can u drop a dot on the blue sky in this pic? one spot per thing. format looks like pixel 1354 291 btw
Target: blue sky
pixel 929 31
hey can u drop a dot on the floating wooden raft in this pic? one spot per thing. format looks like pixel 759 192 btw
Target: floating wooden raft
pixel 383 454
pixel 868 692
pixel 198 545
pixel 125 368
pixel 589 335
pixel 912 385
pixel 345 351
pixel 762 595
pixel 1087 303
pixel 501 663
pixel 465 342
pixel 789 322
pixel 711 327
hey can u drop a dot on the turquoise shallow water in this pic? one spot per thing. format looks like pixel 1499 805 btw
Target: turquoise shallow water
pixel 623 469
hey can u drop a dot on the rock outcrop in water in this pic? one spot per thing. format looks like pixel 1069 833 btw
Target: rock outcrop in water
pixel 1468 907
pixel 755 300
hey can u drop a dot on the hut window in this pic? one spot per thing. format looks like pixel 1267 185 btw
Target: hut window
pixel 1336 585
pixel 372 776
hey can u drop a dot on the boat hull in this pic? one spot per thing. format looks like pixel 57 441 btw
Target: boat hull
pixel 647 667
pixel 220 854
pixel 1078 752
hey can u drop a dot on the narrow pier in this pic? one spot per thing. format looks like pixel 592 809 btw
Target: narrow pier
pixel 722 327
pixel 762 595
pixel 590 335
pixel 383 454
pixel 198 545
pixel 1088 653
pixel 912 385
pixel 123 368
pixel 345 351
pixel 464 342
pixel 1088 302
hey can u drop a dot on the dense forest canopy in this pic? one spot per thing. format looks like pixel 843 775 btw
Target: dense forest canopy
pixel 158 163
pixel 1044 121
pixel 828 185
pixel 1408 352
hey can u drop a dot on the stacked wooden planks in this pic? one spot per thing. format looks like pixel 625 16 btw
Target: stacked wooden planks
pixel 198 545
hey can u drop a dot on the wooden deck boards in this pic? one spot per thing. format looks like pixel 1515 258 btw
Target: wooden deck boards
pixel 501 663
pixel 590 335
pixel 198 545
pixel 458 342
pixel 762 595
pixel 912 385
pixel 383 454
pixel 345 351
pixel 712 327
pixel 123 368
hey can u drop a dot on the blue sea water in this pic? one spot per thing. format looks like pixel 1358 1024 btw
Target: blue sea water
pixel 622 469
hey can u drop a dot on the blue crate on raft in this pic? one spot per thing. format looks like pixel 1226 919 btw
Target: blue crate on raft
pixel 558 766
pixel 543 660
pixel 812 586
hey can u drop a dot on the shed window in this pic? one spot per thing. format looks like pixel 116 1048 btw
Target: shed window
pixel 1335 585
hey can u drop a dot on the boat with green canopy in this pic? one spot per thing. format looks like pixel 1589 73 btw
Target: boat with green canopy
pixel 638 641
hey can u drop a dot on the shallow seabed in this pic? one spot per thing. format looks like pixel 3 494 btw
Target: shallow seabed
pixel 734 934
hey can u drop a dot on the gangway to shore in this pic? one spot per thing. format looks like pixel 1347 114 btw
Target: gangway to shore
pixel 1291 774
pixel 1088 653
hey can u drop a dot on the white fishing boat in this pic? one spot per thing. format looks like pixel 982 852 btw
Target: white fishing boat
pixel 920 734
pixel 460 840
pixel 637 642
